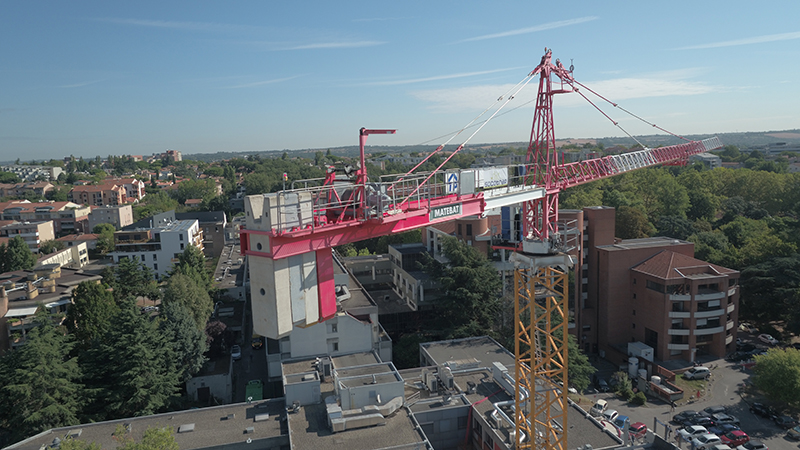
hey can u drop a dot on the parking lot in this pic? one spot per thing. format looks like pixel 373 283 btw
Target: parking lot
pixel 724 389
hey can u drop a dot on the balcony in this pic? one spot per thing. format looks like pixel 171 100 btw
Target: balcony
pixel 678 331
pixel 732 290
pixel 20 324
pixel 728 340
pixel 707 314
pixel 710 295
pixel 729 325
pixel 679 314
pixel 730 308
pixel 680 297
pixel 707 331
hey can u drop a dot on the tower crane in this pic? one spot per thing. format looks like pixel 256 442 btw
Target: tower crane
pixel 290 234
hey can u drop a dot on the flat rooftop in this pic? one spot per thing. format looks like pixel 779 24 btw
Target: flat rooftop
pixel 484 349
pixel 213 427
pixel 229 272
pixel 359 298
pixel 658 241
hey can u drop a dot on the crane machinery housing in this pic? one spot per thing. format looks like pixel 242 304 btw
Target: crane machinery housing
pixel 290 234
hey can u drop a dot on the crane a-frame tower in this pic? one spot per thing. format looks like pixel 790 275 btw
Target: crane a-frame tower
pixel 290 235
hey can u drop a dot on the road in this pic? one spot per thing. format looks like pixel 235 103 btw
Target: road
pixel 725 382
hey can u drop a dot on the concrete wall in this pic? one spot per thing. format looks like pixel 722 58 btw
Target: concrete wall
pixel 220 384
pixel 350 334
pixel 444 427
pixel 359 396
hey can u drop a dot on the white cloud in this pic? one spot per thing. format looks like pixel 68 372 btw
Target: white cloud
pixel 439 77
pixel 335 44
pixel 543 27
pixel 479 97
pixel 174 25
pixel 261 83
pixel 746 41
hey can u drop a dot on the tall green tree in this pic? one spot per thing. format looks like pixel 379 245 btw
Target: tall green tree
pixel 192 263
pixel 131 371
pixel 153 439
pixel 105 237
pixel 135 279
pixel 470 301
pixel 188 341
pixel 89 317
pixel 41 386
pixel 51 246
pixel 18 256
pixel 187 292
pixel 777 374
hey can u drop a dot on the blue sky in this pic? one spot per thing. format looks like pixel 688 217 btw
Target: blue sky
pixel 88 78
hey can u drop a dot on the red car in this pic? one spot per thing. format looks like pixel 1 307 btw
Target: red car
pixel 637 430
pixel 734 439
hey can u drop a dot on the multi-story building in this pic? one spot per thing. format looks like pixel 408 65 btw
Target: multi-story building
pixel 158 247
pixel 99 195
pixel 67 217
pixel 691 306
pixel 213 224
pixel 33 233
pixel 31 173
pixel 120 216
pixel 39 188
pixel 134 189
pixel 23 293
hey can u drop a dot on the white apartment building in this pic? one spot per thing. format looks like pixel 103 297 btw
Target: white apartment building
pixel 120 216
pixel 158 248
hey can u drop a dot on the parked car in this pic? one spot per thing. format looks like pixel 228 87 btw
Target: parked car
pixel 692 431
pixel 697 373
pixel 700 419
pixel 735 438
pixel 719 447
pixel 794 433
pixel 683 416
pixel 722 418
pixel 746 327
pixel 705 441
pixel 767 339
pixel 236 352
pixel 721 429
pixel 715 409
pixel 598 408
pixel 637 430
pixel 762 410
pixel 785 421
pixel 611 415
pixel 601 384
pixel 753 445
pixel 620 421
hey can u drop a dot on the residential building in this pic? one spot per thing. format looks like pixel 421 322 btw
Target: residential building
pixel 33 233
pixel 172 156
pixel 72 240
pixel 213 224
pixel 691 305
pixel 22 293
pixel 75 256
pixel 158 247
pixel 67 217
pixel 134 189
pixel 193 203
pixel 99 195
pixel 119 215
pixel 38 188
pixel 31 173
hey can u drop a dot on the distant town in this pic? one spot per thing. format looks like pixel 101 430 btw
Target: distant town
pixel 129 300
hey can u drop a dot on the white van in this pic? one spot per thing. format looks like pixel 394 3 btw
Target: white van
pixel 599 408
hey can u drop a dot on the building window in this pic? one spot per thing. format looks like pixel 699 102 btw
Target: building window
pixel 655 286
pixel 634 312
pixel 633 325
pixel 143 258
pixel 181 236
pixel 155 257
pixel 469 229
pixel 155 266
pixel 459 229
pixel 181 245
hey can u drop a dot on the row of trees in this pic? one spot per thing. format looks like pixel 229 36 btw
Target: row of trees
pixel 111 360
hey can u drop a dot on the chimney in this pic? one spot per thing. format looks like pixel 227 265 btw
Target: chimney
pixel 33 291
pixel 3 292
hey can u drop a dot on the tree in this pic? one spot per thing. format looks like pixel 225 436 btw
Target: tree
pixel 41 383
pixel 105 237
pixel 192 262
pixel 51 246
pixel 136 279
pixel 777 374
pixel 188 342
pixel 131 370
pixel 632 223
pixel 470 286
pixel 675 227
pixel 76 444
pixel 18 256
pixel 185 291
pixel 89 317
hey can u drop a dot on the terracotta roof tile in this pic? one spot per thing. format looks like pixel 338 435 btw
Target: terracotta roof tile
pixel 670 265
